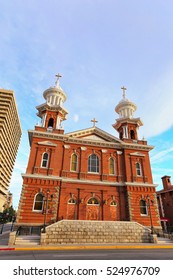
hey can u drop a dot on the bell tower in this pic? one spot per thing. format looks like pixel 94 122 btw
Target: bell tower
pixel 52 112
pixel 126 124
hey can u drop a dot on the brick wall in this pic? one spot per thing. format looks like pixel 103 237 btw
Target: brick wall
pixel 81 232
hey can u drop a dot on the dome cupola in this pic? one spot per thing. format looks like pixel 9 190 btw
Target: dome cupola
pixel 52 112
pixel 125 107
pixel 55 96
pixel 126 125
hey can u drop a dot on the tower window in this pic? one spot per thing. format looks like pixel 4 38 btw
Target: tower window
pixel 143 207
pixel 93 163
pixel 50 123
pixel 74 162
pixel 111 166
pixel 138 169
pixel 45 160
pixel 132 134
pixel 38 202
pixel 121 135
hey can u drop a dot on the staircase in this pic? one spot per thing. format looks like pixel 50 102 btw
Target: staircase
pixel 27 240
pixel 164 240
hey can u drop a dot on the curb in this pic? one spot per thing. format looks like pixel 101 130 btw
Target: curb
pixel 89 247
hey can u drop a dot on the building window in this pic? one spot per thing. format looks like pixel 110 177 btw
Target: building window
pixel 71 201
pixel 38 202
pixel 45 160
pixel 93 163
pixel 132 134
pixel 50 123
pixel 143 207
pixel 74 162
pixel 138 169
pixel 93 201
pixel 113 203
pixel 111 166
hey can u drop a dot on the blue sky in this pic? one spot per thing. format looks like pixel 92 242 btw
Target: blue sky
pixel 98 46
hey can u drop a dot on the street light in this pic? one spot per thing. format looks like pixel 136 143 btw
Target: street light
pixel 150 202
pixel 46 200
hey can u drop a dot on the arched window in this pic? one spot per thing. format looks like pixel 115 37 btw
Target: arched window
pixel 143 207
pixel 113 203
pixel 38 202
pixel 93 201
pixel 138 169
pixel 111 166
pixel 71 201
pixel 121 135
pixel 50 123
pixel 73 162
pixel 93 163
pixel 45 158
pixel 132 134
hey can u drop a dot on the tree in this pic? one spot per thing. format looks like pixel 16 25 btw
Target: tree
pixel 10 212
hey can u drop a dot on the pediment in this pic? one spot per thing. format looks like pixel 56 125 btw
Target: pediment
pixel 47 143
pixel 94 134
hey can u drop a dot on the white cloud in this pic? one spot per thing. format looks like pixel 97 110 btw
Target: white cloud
pixel 156 106
pixel 76 118
pixel 160 156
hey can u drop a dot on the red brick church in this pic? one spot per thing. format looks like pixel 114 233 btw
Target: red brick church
pixel 87 174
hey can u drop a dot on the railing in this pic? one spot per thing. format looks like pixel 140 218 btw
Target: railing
pixel 29 230
pixel 3 228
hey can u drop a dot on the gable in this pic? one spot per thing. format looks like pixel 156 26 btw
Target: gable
pixel 93 137
pixel 95 134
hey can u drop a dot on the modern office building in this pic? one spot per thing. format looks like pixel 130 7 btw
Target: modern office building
pixel 10 134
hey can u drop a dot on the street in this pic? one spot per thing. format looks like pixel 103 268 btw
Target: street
pixel 116 254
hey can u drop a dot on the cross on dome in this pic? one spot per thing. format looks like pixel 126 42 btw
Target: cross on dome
pixel 58 76
pixel 124 91
pixel 94 122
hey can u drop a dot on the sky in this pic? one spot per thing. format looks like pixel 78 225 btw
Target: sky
pixel 98 46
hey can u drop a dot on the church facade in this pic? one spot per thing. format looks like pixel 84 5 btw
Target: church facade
pixel 87 174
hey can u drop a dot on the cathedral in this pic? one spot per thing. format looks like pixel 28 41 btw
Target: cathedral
pixel 87 174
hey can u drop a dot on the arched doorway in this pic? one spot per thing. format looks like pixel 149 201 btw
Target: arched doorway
pixel 113 210
pixel 71 209
pixel 92 209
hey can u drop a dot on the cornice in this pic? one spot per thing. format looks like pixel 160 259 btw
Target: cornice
pixel 136 184
pixel 93 182
pixel 90 142
pixel 71 180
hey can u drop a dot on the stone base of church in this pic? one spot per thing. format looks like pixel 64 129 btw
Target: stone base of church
pixel 89 232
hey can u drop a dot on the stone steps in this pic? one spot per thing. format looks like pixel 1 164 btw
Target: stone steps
pixel 164 240
pixel 27 240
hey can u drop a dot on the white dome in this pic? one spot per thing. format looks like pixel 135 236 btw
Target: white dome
pixel 55 95
pixel 125 107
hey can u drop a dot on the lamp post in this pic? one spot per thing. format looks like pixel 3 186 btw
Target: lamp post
pixel 46 200
pixel 151 220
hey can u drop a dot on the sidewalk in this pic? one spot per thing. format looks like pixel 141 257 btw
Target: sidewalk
pixel 118 246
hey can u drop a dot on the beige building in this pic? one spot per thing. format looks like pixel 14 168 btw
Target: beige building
pixel 10 133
